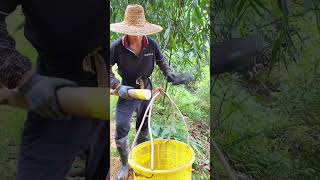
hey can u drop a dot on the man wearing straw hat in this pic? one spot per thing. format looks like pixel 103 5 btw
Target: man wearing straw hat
pixel 69 37
pixel 135 55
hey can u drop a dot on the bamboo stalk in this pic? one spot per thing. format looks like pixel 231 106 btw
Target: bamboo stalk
pixel 142 94
pixel 92 102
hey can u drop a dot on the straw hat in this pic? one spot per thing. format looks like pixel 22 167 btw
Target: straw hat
pixel 135 23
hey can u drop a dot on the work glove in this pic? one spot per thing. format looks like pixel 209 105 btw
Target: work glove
pixel 41 94
pixel 123 91
pixel 170 77
pixel 179 79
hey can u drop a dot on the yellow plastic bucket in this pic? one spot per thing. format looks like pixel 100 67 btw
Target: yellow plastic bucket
pixel 172 160
pixel 161 159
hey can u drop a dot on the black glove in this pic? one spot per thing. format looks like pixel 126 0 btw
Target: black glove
pixel 180 79
pixel 171 77
pixel 41 93
pixel 123 91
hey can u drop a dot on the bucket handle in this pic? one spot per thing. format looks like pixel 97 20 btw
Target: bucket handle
pixel 142 175
pixel 149 109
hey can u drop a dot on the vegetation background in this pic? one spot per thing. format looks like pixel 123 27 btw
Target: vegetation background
pixel 266 120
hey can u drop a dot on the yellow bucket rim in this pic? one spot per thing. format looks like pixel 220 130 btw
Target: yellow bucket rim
pixel 149 171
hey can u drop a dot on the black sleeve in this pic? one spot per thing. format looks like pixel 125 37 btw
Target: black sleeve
pixel 157 51
pixel 8 6
pixel 114 82
pixel 12 64
pixel 160 61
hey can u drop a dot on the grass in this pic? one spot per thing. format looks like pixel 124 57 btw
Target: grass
pixel 276 136
pixel 11 125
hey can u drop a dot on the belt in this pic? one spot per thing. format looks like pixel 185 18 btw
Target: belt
pixel 142 82
pixel 99 64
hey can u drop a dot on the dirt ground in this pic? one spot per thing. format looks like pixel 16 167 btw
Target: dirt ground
pixel 115 166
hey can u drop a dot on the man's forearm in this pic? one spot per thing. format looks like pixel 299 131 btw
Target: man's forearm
pixel 13 66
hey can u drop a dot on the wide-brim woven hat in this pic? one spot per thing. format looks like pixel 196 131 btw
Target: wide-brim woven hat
pixel 135 23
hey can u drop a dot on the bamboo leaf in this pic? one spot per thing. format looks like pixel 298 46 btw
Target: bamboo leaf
pixel 280 5
pixel 240 6
pixel 276 48
pixel 261 5
pixel 256 9
pixel 167 32
pixel 198 14
pixel 307 5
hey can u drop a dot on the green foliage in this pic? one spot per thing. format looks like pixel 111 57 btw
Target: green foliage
pixel 267 124
pixel 273 22
pixel 11 125
pixel 279 139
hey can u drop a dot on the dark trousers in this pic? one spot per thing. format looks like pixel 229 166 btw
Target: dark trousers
pixel 49 146
pixel 124 111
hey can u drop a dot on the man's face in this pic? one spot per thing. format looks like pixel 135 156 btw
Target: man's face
pixel 135 38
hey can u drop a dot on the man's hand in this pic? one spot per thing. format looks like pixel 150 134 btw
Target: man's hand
pixel 171 77
pixel 179 79
pixel 158 90
pixel 182 79
pixel 41 93
pixel 123 91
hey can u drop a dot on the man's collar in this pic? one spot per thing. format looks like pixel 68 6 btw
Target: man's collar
pixel 125 41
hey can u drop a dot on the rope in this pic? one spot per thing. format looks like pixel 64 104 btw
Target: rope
pixel 100 66
pixel 149 110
